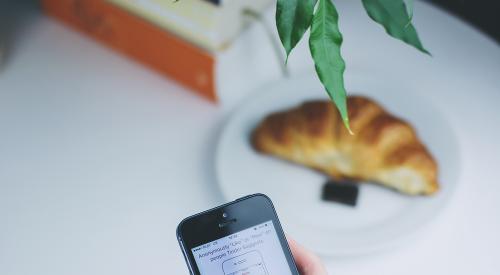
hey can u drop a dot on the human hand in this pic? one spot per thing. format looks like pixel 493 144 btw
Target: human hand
pixel 307 262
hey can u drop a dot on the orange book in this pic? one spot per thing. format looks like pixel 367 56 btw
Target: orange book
pixel 140 40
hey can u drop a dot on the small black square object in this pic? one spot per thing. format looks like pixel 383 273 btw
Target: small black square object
pixel 341 192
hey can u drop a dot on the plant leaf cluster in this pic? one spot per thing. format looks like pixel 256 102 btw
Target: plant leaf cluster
pixel 295 17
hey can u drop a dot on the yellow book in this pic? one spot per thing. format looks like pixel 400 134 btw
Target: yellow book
pixel 204 23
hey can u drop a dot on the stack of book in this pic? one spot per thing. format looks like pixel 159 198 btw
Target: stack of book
pixel 179 39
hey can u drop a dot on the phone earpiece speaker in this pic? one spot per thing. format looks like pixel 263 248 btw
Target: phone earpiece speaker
pixel 226 223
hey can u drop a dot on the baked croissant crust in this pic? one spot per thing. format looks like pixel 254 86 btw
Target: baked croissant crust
pixel 384 149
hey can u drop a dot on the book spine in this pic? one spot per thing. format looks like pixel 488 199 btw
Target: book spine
pixel 140 40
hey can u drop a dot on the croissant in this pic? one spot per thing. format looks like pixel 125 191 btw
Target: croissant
pixel 384 149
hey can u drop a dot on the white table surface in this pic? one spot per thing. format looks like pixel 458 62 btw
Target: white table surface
pixel 100 158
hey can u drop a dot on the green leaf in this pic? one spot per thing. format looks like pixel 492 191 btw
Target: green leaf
pixel 324 43
pixel 409 9
pixel 293 18
pixel 394 17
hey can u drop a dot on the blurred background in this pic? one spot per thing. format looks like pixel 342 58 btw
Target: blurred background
pixel 481 14
pixel 118 118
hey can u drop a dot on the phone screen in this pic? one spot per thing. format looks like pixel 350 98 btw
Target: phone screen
pixel 252 251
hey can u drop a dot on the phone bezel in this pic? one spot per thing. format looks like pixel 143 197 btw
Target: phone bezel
pixel 248 211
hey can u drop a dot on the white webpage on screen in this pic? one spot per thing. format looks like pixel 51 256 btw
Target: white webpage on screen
pixel 252 251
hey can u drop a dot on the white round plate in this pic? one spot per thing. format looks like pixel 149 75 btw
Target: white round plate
pixel 382 217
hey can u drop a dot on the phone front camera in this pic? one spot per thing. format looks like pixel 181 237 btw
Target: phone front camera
pixel 224 215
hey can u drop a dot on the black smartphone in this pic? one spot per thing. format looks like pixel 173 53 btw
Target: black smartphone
pixel 240 237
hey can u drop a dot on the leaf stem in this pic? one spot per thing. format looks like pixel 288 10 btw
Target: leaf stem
pixel 275 44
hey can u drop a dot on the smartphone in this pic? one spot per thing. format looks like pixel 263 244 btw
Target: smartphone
pixel 243 237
